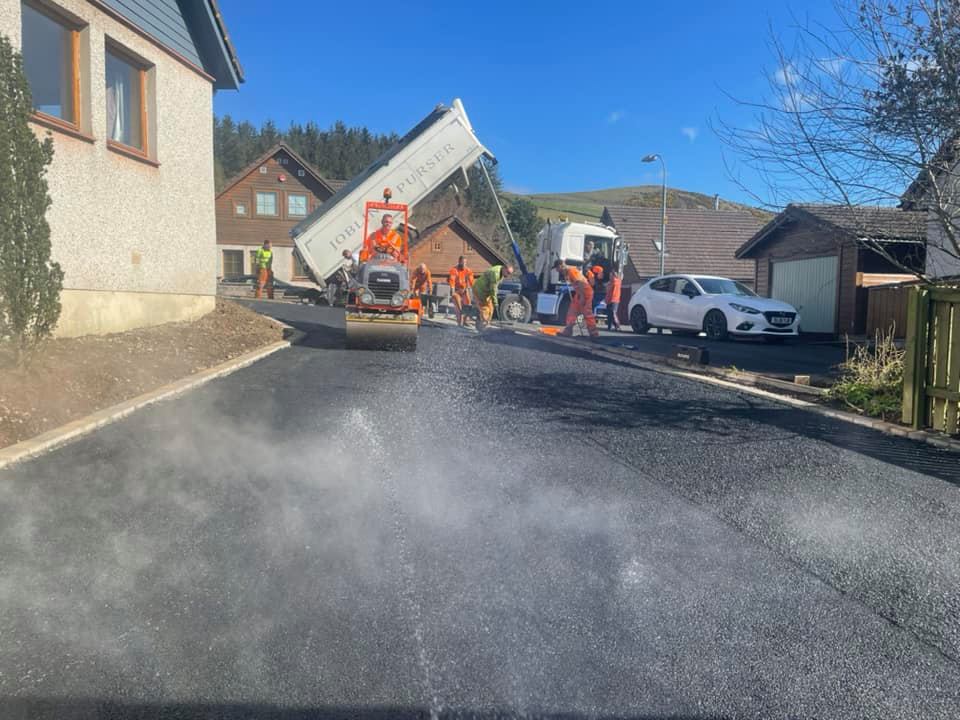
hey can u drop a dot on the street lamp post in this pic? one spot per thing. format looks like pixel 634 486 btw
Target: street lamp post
pixel 663 207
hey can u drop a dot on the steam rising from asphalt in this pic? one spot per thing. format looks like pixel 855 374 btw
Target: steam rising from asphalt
pixel 277 557
pixel 194 549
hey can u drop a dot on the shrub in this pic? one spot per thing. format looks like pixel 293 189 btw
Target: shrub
pixel 871 380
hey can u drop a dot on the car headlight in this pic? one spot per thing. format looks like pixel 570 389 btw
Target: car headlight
pixel 366 297
pixel 744 309
pixel 397 299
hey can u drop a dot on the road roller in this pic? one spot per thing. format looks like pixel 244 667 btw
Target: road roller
pixel 380 312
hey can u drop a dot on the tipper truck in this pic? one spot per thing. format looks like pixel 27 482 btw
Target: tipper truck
pixel 440 146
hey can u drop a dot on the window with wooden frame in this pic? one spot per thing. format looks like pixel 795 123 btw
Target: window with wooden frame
pixel 239 208
pixel 296 205
pixel 437 246
pixel 267 204
pixel 126 95
pixel 51 62
pixel 232 263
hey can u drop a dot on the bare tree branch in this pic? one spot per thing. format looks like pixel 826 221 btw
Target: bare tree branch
pixel 857 114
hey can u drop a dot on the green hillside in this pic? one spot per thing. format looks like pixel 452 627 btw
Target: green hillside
pixel 588 205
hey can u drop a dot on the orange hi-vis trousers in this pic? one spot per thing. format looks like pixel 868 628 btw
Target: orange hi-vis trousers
pixel 581 303
pixel 459 298
pixel 263 279
pixel 484 311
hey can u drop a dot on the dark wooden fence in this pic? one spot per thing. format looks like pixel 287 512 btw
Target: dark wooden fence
pixel 886 309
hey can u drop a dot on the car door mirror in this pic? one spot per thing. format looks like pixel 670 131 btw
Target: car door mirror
pixel 690 293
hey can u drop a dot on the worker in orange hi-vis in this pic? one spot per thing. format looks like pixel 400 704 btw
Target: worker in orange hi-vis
pixel 461 280
pixel 581 300
pixel 597 284
pixel 421 284
pixel 385 241
pixel 613 300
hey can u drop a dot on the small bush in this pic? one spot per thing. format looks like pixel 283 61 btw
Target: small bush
pixel 871 380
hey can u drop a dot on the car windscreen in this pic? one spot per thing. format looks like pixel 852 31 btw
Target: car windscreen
pixel 720 286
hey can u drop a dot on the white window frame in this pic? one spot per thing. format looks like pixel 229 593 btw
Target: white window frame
pixel 306 204
pixel 276 203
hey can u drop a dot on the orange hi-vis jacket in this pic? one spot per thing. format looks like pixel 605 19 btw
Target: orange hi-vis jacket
pixel 422 282
pixel 459 279
pixel 377 242
pixel 574 276
pixel 613 290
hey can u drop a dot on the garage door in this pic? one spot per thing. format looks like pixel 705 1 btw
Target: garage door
pixel 811 287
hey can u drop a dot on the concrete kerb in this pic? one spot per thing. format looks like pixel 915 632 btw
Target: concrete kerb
pixel 663 365
pixel 71 431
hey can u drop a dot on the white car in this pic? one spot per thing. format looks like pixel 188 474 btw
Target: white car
pixel 714 305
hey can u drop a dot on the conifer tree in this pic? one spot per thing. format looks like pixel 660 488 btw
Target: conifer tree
pixel 30 282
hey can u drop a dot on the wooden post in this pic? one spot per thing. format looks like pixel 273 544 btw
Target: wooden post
pixel 915 366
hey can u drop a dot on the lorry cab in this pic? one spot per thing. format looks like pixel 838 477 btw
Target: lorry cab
pixel 540 290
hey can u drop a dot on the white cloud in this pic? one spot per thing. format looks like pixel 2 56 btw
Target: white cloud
pixel 913 65
pixel 615 117
pixel 690 133
pixel 787 75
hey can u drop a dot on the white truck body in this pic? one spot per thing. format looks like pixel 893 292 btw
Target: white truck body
pixel 441 145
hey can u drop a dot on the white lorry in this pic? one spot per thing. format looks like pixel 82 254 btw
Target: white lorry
pixel 540 289
pixel 440 146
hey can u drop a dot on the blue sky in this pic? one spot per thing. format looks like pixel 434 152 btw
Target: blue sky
pixel 569 97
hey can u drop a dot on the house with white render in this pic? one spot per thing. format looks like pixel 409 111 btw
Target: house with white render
pixel 125 88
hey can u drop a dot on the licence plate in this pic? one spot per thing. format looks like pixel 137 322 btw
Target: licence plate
pixel 780 321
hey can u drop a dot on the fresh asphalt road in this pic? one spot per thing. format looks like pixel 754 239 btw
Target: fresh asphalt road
pixel 488 527
pixel 787 360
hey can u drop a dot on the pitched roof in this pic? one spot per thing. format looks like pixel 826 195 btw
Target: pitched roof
pixel 336 183
pixel 227 42
pixel 876 223
pixel 474 238
pixel 698 241
pixel 269 154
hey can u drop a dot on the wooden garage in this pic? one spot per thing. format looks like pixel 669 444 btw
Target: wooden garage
pixel 823 258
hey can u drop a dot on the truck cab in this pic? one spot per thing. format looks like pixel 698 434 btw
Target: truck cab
pixel 541 291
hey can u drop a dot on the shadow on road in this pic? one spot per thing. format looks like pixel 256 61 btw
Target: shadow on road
pixel 320 336
pixel 582 402
pixel 66 709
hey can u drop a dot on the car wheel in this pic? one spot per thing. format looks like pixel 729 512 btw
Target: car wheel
pixel 715 325
pixel 638 320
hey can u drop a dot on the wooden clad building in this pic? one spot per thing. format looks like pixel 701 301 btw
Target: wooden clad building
pixel 441 244
pixel 263 202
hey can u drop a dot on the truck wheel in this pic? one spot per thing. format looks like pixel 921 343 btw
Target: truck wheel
pixel 638 320
pixel 515 308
